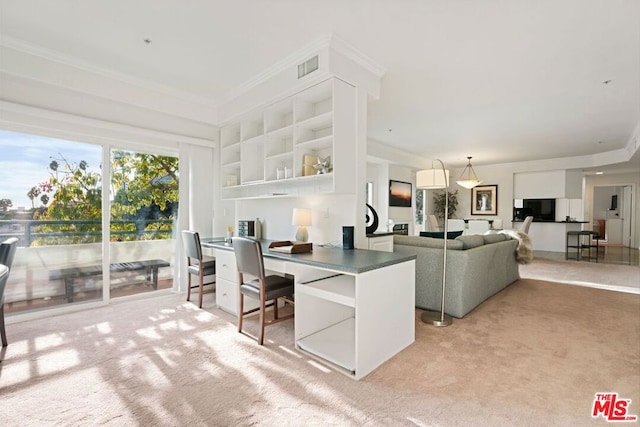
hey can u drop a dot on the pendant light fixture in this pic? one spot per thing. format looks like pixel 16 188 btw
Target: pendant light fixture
pixel 465 180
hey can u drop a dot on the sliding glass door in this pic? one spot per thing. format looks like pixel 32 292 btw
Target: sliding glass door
pixel 52 198
pixel 52 202
pixel 144 210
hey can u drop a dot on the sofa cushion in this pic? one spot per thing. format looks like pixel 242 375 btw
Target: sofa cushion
pixel 440 234
pixel 425 242
pixel 493 238
pixel 471 241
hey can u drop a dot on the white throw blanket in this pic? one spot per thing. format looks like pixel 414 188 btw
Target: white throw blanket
pixel 524 250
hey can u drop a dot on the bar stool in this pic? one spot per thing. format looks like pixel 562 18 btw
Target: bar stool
pixel 593 241
pixel 576 240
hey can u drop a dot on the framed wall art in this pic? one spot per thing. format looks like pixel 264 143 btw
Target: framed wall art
pixel 484 200
pixel 400 193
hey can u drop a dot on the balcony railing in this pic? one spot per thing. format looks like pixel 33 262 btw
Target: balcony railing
pixel 82 231
pixel 45 246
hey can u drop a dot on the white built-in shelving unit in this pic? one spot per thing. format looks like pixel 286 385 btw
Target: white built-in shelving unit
pixel 262 152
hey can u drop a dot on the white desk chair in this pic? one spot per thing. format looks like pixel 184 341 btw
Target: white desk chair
pixel 433 223
pixel 497 224
pixel 455 225
pixel 478 226
pixel 526 224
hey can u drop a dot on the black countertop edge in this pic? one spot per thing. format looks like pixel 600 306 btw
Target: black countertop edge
pixel 385 233
pixel 354 261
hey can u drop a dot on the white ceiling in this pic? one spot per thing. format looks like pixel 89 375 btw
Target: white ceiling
pixel 499 80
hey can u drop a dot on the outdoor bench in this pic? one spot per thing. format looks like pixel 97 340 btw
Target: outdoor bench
pixel 150 267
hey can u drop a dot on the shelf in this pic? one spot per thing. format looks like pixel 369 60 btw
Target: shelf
pixel 276 157
pixel 338 289
pixel 321 121
pixel 335 344
pixel 291 187
pixel 230 135
pixel 279 133
pixel 235 164
pixel 316 144
pixel 317 121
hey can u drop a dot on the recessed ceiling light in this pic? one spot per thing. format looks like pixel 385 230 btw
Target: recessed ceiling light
pixel 599 173
pixel 147 40
pixel 606 82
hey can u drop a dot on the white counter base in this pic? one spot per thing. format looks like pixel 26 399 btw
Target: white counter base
pixel 551 236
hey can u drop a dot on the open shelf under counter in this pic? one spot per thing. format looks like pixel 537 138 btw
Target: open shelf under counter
pixel 340 289
pixel 335 344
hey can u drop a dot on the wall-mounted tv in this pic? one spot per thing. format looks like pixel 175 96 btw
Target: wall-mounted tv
pixel 540 209
pixel 400 194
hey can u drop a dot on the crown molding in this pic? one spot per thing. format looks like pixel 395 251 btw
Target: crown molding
pixel 71 61
pixel 340 45
pixel 289 61
pixel 67 121
pixel 327 41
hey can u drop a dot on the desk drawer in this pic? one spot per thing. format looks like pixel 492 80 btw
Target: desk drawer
pixel 227 296
pixel 226 266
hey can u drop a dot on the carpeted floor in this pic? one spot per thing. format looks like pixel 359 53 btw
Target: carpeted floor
pixel 625 278
pixel 535 354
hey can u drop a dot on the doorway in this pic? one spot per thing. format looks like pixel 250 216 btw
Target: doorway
pixel 613 213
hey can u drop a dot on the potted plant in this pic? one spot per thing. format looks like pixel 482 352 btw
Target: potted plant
pixel 439 201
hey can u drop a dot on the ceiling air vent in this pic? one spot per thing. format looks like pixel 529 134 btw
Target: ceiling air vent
pixel 307 67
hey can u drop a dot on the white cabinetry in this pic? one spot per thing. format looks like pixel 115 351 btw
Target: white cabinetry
pixel 380 243
pixel 262 153
pixel 347 319
pixel 548 185
pixel 227 289
pixel 569 208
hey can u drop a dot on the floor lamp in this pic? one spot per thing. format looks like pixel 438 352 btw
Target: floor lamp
pixel 435 179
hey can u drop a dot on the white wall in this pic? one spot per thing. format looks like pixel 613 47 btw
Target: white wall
pixel 329 213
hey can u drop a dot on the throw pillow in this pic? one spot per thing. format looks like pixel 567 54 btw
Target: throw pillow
pixel 440 234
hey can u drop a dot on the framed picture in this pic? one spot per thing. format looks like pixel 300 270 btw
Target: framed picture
pixel 484 200
pixel 400 194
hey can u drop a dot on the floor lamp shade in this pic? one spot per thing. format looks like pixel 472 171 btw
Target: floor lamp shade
pixel 301 218
pixel 432 178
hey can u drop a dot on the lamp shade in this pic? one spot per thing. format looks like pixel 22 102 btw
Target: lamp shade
pixel 432 178
pixel 468 182
pixel 301 217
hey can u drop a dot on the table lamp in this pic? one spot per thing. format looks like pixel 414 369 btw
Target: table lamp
pixel 301 218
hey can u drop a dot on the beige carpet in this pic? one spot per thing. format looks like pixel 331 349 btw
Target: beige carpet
pixel 625 278
pixel 535 354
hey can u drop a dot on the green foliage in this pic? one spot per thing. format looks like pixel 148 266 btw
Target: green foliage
pixel 145 189
pixel 439 202
pixel 5 204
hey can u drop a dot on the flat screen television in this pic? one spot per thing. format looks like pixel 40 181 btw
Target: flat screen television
pixel 540 209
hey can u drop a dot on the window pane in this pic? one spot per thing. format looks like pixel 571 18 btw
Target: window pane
pixel 144 210
pixel 50 197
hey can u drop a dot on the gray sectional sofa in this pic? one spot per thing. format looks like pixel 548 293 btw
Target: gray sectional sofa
pixel 478 266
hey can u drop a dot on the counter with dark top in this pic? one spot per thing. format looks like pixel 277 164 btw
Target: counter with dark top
pixel 352 261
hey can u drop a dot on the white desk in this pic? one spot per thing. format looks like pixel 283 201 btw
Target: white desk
pixel 354 309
